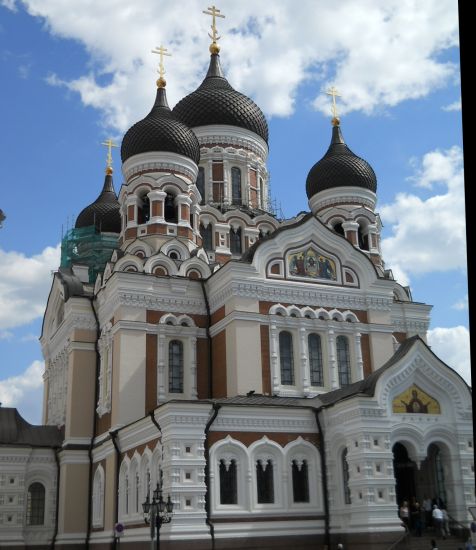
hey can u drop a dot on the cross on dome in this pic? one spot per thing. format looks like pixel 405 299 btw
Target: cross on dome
pixel 161 51
pixel 214 12
pixel 109 144
pixel 334 93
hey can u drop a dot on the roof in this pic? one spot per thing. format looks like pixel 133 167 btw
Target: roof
pixel 15 430
pixel 340 167
pixel 215 101
pixel 104 212
pixel 160 130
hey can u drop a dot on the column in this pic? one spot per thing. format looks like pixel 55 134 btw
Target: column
pixel 358 357
pixel 331 343
pixel 303 353
pixel 156 199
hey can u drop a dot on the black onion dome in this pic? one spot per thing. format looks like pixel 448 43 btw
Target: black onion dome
pixel 160 131
pixel 103 212
pixel 216 102
pixel 340 167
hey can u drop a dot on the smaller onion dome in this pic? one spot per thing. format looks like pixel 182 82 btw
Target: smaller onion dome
pixel 216 102
pixel 160 131
pixel 340 167
pixel 104 212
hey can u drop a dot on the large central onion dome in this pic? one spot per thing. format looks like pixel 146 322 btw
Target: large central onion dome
pixel 340 167
pixel 104 212
pixel 160 131
pixel 216 102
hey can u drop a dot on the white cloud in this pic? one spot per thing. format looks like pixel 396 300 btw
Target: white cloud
pixel 429 234
pixel 451 345
pixel 456 106
pixel 461 305
pixel 24 285
pixel 9 4
pixel 6 335
pixel 24 392
pixel 378 53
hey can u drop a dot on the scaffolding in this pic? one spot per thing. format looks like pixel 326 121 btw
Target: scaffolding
pixel 88 246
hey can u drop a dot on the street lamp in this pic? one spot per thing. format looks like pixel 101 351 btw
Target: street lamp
pixel 157 513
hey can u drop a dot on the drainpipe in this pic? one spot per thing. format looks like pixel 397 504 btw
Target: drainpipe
pixel 216 408
pixel 90 448
pixel 55 534
pixel 113 435
pixel 325 488
pixel 209 340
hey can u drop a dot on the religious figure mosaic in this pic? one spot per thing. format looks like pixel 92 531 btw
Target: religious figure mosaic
pixel 310 263
pixel 414 400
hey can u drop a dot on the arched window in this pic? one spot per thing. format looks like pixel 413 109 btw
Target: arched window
pixel 315 359
pixel 345 477
pixel 363 239
pixel 98 497
pixel 265 481
pixel 143 209
pixel 286 358
pixel 207 236
pixel 235 185
pixel 228 482
pixel 170 209
pixel 300 481
pixel 175 366
pixel 235 241
pixel 339 229
pixel 201 183
pixel 126 495
pixel 35 505
pixel 343 360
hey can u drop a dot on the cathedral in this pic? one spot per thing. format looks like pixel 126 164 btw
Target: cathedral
pixel 217 377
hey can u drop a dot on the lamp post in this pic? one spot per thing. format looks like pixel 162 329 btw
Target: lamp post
pixel 157 513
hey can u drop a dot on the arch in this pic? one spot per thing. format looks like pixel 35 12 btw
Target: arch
pixel 170 207
pixel 336 315
pixel 176 366
pixel 129 262
pixel 139 245
pixel 98 497
pixel 266 459
pixel 308 313
pixel 206 232
pixel 200 184
pixel 350 317
pixel 160 260
pixel 343 360
pixel 323 314
pixel 316 365
pixel 196 264
pixel 277 309
pixel 286 358
pixel 236 190
pixel 304 473
pixel 124 488
pixel 363 233
pixel 35 504
pixel 177 246
pixel 236 240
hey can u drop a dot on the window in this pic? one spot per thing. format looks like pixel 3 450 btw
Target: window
pixel 143 209
pixel 228 485
pixel 35 506
pixel 339 229
pixel 264 481
pixel 175 366
pixel 98 497
pixel 343 360
pixel 201 183
pixel 300 481
pixel 315 359
pixel 345 477
pixel 207 236
pixel 235 185
pixel 170 210
pixel 235 241
pixel 286 358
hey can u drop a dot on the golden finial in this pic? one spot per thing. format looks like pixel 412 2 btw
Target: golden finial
pixel 333 92
pixel 214 12
pixel 109 144
pixel 161 51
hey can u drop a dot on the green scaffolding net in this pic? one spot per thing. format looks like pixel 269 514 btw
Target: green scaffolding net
pixel 87 246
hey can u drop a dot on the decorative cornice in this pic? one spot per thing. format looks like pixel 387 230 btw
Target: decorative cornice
pixel 159 162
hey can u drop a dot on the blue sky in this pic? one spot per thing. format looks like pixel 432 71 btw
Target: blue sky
pixel 76 73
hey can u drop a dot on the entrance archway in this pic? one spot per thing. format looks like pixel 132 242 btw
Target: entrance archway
pixel 427 481
pixel 404 471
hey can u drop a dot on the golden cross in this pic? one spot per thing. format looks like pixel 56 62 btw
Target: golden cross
pixel 214 12
pixel 333 92
pixel 109 144
pixel 161 51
